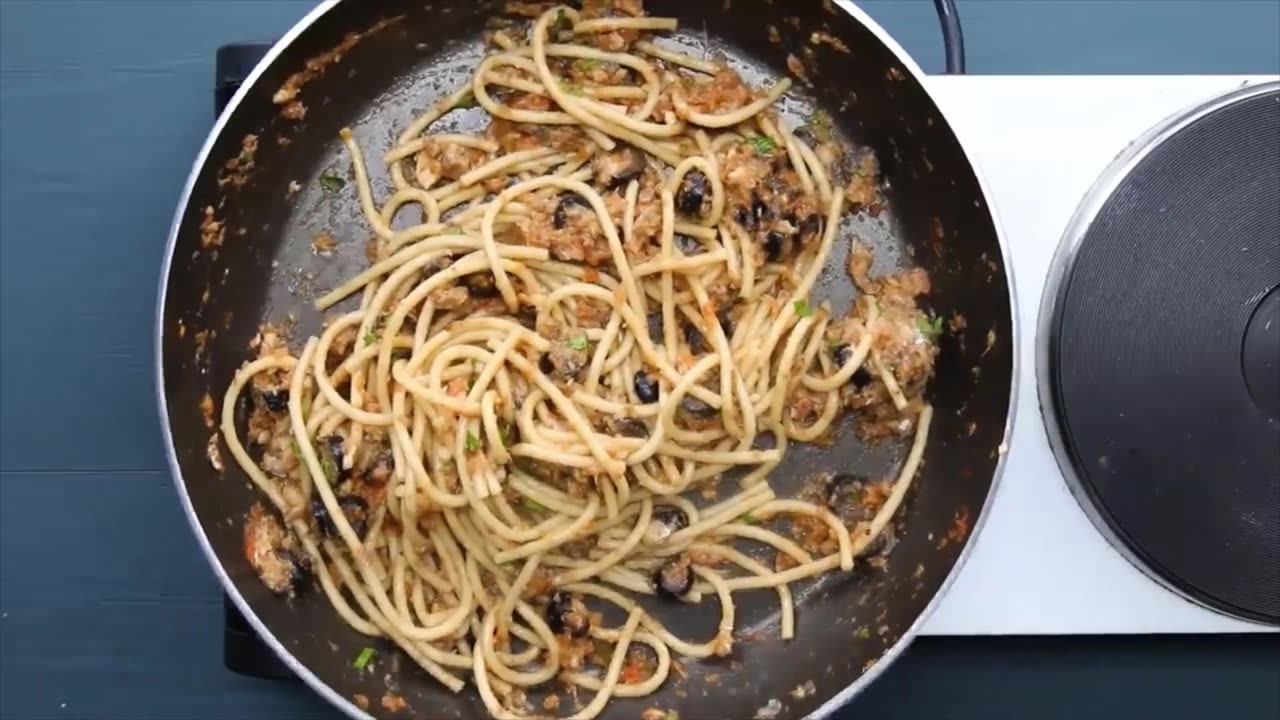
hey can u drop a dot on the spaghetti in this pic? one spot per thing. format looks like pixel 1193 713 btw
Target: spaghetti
pixel 603 309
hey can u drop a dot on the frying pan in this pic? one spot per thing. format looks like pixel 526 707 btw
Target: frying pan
pixel 380 63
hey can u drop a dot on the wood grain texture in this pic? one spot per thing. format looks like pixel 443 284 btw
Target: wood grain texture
pixel 107 606
pixel 105 105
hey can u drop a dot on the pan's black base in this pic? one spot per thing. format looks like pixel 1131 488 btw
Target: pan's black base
pixel 1164 357
pixel 244 653
pixel 233 64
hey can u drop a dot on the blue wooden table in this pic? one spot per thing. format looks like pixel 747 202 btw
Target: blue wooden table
pixel 107 609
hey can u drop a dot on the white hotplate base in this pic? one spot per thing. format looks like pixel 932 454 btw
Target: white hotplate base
pixel 1039 566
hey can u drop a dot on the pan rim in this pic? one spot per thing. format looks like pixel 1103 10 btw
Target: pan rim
pixel 895 651
pixel 323 689
pixel 347 706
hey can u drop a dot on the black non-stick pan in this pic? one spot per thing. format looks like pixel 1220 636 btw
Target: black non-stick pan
pixel 374 65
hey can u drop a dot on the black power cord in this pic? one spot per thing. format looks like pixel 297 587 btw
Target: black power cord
pixel 952 36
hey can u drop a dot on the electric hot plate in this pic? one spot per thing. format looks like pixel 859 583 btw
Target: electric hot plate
pixel 1160 350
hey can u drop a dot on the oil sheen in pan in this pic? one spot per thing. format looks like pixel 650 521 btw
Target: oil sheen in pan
pixel 301 273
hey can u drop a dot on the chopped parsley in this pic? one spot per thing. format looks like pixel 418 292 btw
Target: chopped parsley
pixel 297 451
pixel 370 337
pixel 863 633
pixel 749 519
pixel 802 308
pixel 586 64
pixel 504 434
pixel 473 443
pixel 362 660
pixel 571 88
pixel 534 505
pixel 578 342
pixel 331 181
pixel 763 144
pixel 561 23
pixel 466 101
pixel 930 328
pixel 329 467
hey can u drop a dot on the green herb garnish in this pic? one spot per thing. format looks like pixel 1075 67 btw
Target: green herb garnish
pixel 473 443
pixel 329 467
pixel 586 64
pixel 578 342
pixel 930 328
pixel 331 181
pixel 295 449
pixel 571 88
pixel 863 633
pixel 561 22
pixel 763 144
pixel 802 308
pixel 362 660
pixel 466 101
pixel 504 434
pixel 534 505
pixel 749 519
pixel 370 337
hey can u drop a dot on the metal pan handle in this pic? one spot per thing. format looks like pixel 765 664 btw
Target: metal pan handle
pixel 952 36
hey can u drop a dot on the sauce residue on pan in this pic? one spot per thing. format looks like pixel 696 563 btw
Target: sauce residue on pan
pixel 235 172
pixel 316 66
pixel 960 526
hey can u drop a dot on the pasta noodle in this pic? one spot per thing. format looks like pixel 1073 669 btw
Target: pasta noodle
pixel 596 318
